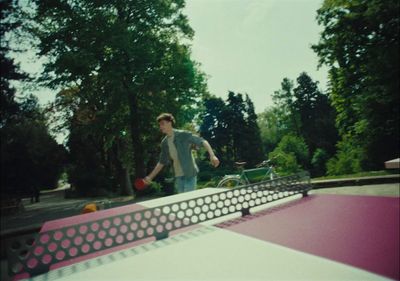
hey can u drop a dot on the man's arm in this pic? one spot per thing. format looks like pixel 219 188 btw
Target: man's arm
pixel 200 141
pixel 154 173
pixel 214 160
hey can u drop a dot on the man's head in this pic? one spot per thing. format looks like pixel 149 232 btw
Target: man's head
pixel 166 122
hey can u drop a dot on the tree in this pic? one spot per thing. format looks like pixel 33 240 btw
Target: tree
pixel 291 155
pixel 127 60
pixel 270 130
pixel 235 127
pixel 231 128
pixel 87 172
pixel 348 159
pixel 316 116
pixel 30 157
pixel 9 70
pixel 360 45
pixel 213 127
pixel 283 100
pixel 254 149
pixel 302 110
pixel 91 143
pixel 319 161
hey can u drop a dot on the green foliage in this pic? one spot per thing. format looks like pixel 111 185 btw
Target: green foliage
pixel 286 163
pixel 254 151
pixel 231 128
pixel 123 63
pixel 155 188
pixel 360 45
pixel 284 104
pixel 30 158
pixel 10 23
pixel 318 162
pixel 87 175
pixel 316 116
pixel 213 127
pixel 291 155
pixel 270 131
pixel 348 159
pixel 300 109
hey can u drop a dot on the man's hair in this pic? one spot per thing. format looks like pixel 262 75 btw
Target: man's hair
pixel 166 117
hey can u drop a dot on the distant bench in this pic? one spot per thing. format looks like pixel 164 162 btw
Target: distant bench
pixel 393 164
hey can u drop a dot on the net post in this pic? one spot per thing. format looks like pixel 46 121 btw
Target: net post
pixel 245 212
pixel 161 235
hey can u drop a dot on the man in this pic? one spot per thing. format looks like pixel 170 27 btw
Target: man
pixel 176 147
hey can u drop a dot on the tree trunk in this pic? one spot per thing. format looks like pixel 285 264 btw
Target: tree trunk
pixel 127 187
pixel 123 176
pixel 138 149
pixel 125 181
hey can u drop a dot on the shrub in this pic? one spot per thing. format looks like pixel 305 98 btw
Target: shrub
pixel 348 159
pixel 291 155
pixel 318 162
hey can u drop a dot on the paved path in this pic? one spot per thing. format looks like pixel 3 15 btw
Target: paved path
pixel 53 206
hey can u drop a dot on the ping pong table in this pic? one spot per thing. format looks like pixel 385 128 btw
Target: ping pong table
pixel 275 230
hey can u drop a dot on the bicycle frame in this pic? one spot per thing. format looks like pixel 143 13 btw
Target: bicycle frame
pixel 245 177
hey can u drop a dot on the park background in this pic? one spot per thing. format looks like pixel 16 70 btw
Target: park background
pixel 83 81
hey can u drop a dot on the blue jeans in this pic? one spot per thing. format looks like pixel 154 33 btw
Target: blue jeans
pixel 185 184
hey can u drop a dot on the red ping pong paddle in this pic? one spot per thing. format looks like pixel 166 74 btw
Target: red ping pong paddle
pixel 140 184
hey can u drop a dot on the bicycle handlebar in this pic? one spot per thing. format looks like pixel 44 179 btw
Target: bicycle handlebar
pixel 264 163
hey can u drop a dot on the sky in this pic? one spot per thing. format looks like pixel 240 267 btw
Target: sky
pixel 244 46
pixel 249 46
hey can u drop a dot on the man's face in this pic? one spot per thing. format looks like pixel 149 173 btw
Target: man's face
pixel 165 126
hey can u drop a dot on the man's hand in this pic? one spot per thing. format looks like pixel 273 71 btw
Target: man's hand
pixel 214 161
pixel 147 180
pixel 154 173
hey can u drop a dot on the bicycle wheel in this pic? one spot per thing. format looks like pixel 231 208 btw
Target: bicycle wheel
pixel 231 182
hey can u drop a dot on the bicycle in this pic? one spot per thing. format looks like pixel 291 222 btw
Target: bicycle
pixel 263 171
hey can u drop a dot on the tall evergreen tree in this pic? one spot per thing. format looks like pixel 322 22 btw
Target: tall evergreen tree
pixel 254 153
pixel 284 102
pixel 232 129
pixel 236 126
pixel 316 115
pixel 213 126
pixel 302 110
